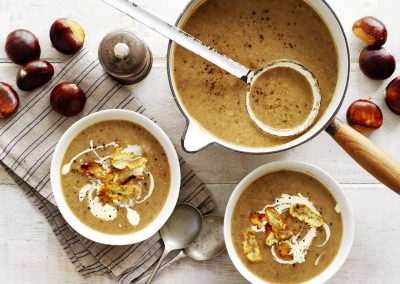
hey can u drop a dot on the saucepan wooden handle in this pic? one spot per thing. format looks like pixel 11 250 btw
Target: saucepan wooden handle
pixel 369 155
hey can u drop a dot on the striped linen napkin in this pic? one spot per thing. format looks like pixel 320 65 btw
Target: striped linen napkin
pixel 27 141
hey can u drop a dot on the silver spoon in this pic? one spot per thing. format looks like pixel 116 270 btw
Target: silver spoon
pixel 208 244
pixel 249 76
pixel 181 229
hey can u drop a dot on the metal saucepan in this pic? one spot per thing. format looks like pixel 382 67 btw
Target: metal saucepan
pixel 364 151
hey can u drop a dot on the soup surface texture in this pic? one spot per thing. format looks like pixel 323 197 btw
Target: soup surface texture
pixel 286 227
pixel 254 33
pixel 281 98
pixel 115 177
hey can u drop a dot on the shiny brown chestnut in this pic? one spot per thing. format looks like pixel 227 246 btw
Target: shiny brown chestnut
pixel 377 63
pixel 363 114
pixel 371 31
pixel 9 100
pixel 34 74
pixel 22 46
pixel 67 99
pixel 392 95
pixel 67 36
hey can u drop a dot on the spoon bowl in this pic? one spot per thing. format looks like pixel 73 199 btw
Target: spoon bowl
pixel 210 242
pixel 181 229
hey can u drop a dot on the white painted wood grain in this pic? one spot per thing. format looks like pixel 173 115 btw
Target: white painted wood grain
pixel 30 253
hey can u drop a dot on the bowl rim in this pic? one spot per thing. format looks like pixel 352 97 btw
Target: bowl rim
pixel 334 188
pixel 55 177
pixel 324 121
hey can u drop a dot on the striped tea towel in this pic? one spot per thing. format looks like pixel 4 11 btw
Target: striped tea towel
pixel 28 139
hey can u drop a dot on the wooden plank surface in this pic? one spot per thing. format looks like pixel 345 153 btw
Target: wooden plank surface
pixel 29 252
pixel 33 255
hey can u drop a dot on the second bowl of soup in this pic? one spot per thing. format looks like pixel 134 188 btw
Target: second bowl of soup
pixel 115 177
pixel 288 222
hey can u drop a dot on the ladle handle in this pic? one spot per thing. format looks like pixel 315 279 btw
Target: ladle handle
pixel 180 37
pixel 369 155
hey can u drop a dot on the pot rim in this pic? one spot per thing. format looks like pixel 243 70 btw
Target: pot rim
pixel 190 120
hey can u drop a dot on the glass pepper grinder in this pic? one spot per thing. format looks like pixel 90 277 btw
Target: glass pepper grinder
pixel 125 56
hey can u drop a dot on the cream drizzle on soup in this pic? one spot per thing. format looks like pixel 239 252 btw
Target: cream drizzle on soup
pixel 286 227
pixel 115 177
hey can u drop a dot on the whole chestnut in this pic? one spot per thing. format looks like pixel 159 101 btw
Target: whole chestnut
pixel 377 63
pixel 371 31
pixel 67 36
pixel 34 74
pixel 67 99
pixel 22 46
pixel 363 114
pixel 9 100
pixel 392 95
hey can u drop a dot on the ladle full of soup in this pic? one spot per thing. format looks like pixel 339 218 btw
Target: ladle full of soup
pixel 283 98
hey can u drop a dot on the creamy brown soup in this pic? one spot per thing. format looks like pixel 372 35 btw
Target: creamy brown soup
pixel 281 98
pixel 115 177
pixel 255 33
pixel 290 222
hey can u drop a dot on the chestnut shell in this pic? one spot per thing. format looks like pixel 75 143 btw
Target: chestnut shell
pixel 67 36
pixel 370 30
pixel 392 95
pixel 22 46
pixel 363 114
pixel 34 74
pixel 9 100
pixel 67 99
pixel 377 63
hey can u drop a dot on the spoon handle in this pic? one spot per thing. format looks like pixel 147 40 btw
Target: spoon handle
pixel 164 266
pixel 180 37
pixel 165 253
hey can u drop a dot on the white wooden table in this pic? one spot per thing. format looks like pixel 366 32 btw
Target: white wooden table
pixel 30 253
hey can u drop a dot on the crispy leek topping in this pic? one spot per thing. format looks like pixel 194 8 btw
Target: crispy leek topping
pixel 251 248
pixel 304 214
pixel 279 226
pixel 287 246
pixel 92 169
pixel 270 238
pixel 121 179
pixel 122 159
pixel 283 249
pixel 257 219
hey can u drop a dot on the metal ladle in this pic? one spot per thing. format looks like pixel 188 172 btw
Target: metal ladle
pixel 249 76
pixel 181 229
pixel 208 244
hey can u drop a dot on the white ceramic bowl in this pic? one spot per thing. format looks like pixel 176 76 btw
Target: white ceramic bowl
pixel 331 185
pixel 55 175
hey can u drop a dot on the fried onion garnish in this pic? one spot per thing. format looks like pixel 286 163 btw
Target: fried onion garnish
pixel 270 239
pixel 251 248
pixel 257 219
pixel 110 178
pixel 283 249
pixel 92 169
pixel 121 193
pixel 121 160
pixel 306 215
pixel 279 226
